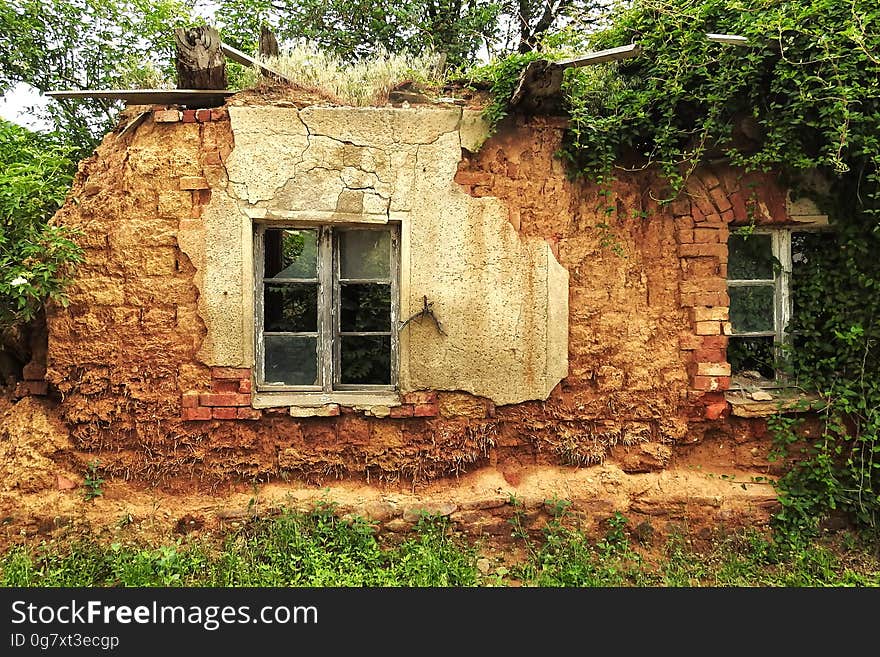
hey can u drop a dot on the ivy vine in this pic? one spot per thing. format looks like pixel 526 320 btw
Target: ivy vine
pixel 801 97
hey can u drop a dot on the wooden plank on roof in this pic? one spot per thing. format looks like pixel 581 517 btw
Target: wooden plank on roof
pixel 601 56
pixel 200 97
pixel 246 60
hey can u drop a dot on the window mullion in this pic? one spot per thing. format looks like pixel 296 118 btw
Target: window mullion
pixel 783 238
pixel 259 266
pixel 325 302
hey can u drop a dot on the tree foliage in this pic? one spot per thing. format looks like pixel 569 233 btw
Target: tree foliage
pixel 35 256
pixel 86 44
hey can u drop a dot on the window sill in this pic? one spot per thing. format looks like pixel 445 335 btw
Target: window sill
pixel 304 404
pixel 765 402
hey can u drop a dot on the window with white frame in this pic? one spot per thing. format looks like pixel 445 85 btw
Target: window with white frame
pixel 761 263
pixel 326 308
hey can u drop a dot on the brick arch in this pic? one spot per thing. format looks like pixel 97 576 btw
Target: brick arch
pixel 714 200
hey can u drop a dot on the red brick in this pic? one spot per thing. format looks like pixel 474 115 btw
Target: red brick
pixel 713 369
pixel 703 328
pixel 716 411
pixel 715 285
pixel 189 400
pixel 230 373
pixel 709 355
pixel 680 207
pixel 426 410
pixel 243 413
pixel 706 236
pixel 699 299
pixel 473 178
pixel 712 398
pixel 420 397
pixel 219 114
pixel 727 217
pixel 213 157
pixel 738 208
pixel 166 116
pixel 203 115
pixel 196 414
pixel 685 236
pixel 704 205
pixel 703 250
pixel 402 411
pixel 189 116
pixel 224 413
pixel 711 383
pixel 719 197
pixel 245 386
pixel 202 196
pixel 708 179
pixel 707 314
pixel 224 399
pixel 225 385
pixel 714 342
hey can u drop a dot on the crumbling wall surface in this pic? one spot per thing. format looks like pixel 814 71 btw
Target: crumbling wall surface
pixel 627 384
pixel 138 384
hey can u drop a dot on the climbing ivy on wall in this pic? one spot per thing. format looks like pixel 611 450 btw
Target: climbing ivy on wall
pixel 802 96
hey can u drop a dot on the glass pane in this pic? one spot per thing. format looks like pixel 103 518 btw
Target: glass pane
pixel 291 360
pixel 365 254
pixel 291 307
pixel 751 308
pixel 366 359
pixel 751 358
pixel 750 257
pixel 365 307
pixel 291 253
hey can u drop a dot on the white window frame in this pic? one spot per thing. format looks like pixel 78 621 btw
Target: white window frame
pixel 780 245
pixel 328 329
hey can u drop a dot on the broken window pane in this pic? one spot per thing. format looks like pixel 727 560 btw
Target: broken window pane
pixel 365 307
pixel 366 359
pixel 751 308
pixel 750 257
pixel 291 360
pixel 291 253
pixel 752 359
pixel 365 254
pixel 291 308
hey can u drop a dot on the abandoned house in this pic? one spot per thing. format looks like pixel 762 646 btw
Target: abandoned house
pixel 278 291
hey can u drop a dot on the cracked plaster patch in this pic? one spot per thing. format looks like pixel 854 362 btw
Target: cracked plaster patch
pixel 503 299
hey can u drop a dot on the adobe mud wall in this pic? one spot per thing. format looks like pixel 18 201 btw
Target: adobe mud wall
pixel 137 385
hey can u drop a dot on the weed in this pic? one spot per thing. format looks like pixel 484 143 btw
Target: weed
pixel 93 482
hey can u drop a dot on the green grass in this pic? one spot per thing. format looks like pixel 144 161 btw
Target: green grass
pixel 321 549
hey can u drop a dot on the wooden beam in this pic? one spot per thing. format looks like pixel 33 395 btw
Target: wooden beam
pixel 199 62
pixel 149 96
pixel 600 56
pixel 268 43
pixel 246 60
pixel 731 39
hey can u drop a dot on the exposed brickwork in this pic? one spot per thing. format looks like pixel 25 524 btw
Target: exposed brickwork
pixel 715 200
pixel 228 399
pixel 171 114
